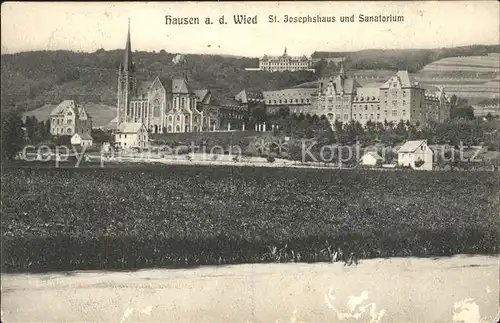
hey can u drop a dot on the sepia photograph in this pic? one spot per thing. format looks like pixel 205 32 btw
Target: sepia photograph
pixel 250 162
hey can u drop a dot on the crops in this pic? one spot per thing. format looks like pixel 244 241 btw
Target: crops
pixel 152 216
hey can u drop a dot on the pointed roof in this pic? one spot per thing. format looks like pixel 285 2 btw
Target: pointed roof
pixel 127 58
pixel 64 107
pixel 342 70
pixel 411 145
pixel 130 127
pixel 374 154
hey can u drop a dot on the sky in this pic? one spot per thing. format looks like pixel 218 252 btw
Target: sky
pixel 90 26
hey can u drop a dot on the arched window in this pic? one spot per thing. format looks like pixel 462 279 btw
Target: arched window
pixel 183 103
pixel 69 130
pixel 169 129
pixel 195 119
pixel 195 129
pixel 170 118
pixel 178 118
pixel 177 128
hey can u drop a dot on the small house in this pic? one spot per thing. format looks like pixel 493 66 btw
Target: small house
pixel 132 135
pixel 416 154
pixel 83 140
pixel 371 159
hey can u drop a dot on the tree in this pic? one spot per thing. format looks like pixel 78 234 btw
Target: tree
pixel 12 134
pixel 453 101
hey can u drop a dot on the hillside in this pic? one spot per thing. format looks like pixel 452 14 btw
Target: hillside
pixel 31 80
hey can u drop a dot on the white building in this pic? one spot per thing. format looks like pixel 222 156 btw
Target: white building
pixel 285 62
pixel 413 153
pixel 371 159
pixel 84 140
pixel 132 135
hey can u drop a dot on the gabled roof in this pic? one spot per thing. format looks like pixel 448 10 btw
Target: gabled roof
pixel 202 95
pixel 373 154
pixel 410 146
pixel 288 93
pixel 85 136
pixel 130 127
pixel 143 88
pixel 403 77
pixel 347 84
pixel 180 86
pixel 64 107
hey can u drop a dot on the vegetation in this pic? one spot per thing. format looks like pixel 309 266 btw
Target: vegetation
pixel 412 60
pixel 90 218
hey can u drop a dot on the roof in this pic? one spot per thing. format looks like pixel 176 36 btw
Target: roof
pixel 410 146
pixel 403 77
pixel 143 88
pixel 85 136
pixel 246 96
pixel 64 107
pixel 201 94
pixel 373 154
pixel 130 127
pixel 293 93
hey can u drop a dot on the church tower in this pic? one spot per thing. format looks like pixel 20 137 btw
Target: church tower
pixel 126 83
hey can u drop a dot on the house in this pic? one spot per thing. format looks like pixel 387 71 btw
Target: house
pixel 84 140
pixel 416 154
pixel 371 159
pixel 132 135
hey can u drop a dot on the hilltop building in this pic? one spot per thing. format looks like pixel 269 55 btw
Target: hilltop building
pixel 69 118
pixel 285 62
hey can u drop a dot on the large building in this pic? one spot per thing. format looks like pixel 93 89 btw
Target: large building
pixel 171 105
pixel 69 118
pixel 342 98
pixel 285 62
pixel 161 105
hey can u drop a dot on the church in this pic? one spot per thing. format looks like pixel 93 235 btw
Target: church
pixel 162 105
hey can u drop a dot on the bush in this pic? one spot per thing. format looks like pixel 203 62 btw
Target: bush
pixel 419 163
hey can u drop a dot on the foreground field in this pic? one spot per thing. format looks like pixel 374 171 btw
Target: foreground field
pixel 460 289
pixel 62 219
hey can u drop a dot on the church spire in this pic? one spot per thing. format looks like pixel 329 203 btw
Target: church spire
pixel 285 52
pixel 342 70
pixel 127 59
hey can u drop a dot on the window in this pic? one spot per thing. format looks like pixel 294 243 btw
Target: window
pixel 366 107
pixel 170 118
pixel 394 113
pixel 404 112
pixel 346 116
pixel 378 116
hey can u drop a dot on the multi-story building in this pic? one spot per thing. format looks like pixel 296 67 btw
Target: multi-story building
pixel 69 118
pixel 285 62
pixel 132 135
pixel 294 100
pixel 344 99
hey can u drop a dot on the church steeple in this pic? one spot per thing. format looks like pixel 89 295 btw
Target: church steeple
pixel 342 70
pixel 127 58
pixel 285 54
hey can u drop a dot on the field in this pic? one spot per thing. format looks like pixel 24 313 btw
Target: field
pixel 152 216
